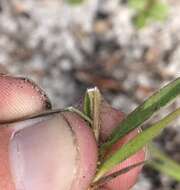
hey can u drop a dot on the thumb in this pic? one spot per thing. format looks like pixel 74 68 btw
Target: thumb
pixel 53 152
pixel 18 97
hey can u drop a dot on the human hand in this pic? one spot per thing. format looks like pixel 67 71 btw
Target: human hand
pixel 53 152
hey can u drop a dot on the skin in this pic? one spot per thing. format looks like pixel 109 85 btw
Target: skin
pixel 110 118
pixel 19 98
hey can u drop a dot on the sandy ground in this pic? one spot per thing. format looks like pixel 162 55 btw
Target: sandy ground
pixel 67 49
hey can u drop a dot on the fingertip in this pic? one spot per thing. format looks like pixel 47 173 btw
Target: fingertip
pixel 129 179
pixel 20 97
pixel 111 118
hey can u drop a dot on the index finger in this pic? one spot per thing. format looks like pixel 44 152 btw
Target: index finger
pixel 20 97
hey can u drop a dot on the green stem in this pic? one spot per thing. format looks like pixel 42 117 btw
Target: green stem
pixel 85 117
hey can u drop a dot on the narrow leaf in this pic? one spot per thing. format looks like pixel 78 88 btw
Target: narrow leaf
pixel 144 111
pixel 87 105
pixel 91 108
pixel 135 144
pixel 164 163
pixel 96 113
pixel 118 173
pixel 81 114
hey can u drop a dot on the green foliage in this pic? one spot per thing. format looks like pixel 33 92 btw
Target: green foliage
pixel 145 111
pixel 138 5
pixel 158 11
pixel 135 144
pixel 75 2
pixel 164 163
pixel 135 119
pixel 148 11
pixel 91 108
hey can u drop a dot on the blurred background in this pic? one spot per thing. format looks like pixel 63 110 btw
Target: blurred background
pixel 128 49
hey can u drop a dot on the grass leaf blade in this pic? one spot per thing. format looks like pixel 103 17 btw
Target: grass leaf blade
pixel 160 99
pixel 136 144
pixel 164 163
pixel 91 108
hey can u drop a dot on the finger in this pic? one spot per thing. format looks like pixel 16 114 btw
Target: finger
pixel 20 97
pixel 43 153
pixel 88 152
pixel 110 118
pixel 56 152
